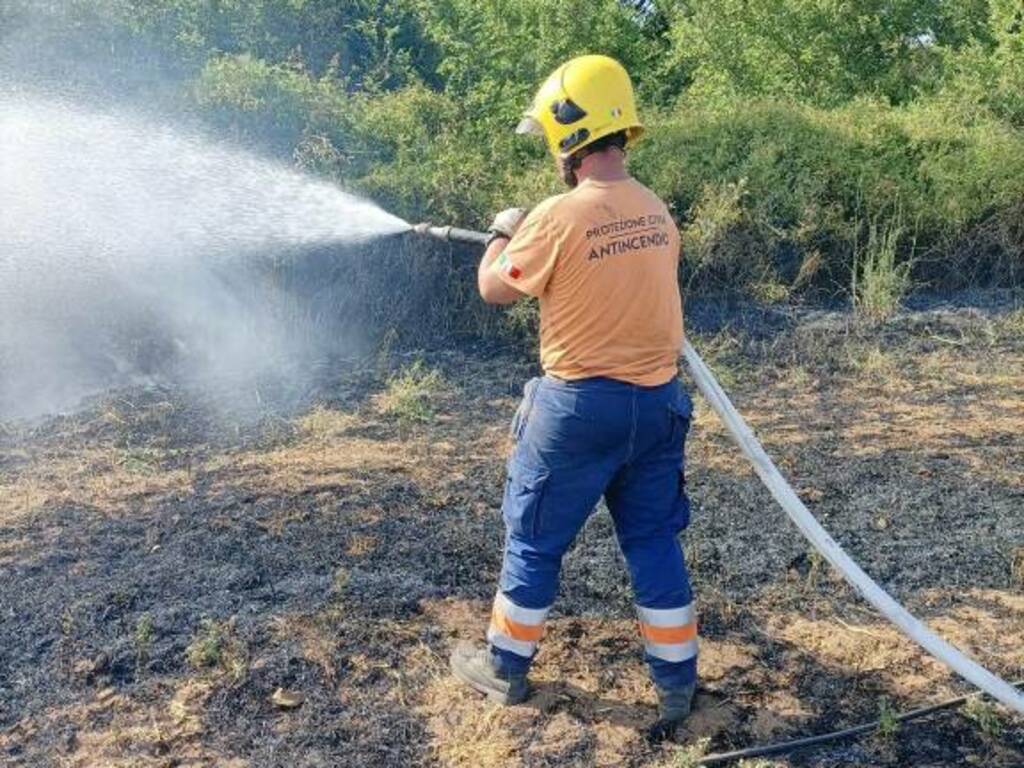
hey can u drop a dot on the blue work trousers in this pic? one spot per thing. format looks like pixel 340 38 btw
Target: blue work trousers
pixel 574 442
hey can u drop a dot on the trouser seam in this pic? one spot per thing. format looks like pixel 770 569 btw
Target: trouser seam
pixel 633 418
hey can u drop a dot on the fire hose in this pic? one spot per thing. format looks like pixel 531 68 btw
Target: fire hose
pixel 812 530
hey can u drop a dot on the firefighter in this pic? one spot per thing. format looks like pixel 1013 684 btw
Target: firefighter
pixel 609 417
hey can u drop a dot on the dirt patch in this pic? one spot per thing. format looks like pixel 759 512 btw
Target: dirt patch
pixel 165 570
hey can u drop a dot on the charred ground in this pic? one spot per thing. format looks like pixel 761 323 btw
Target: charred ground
pixel 165 567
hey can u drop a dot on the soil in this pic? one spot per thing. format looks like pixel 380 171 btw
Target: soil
pixel 181 586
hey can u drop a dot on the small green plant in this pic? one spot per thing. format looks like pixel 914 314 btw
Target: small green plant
pixel 523 319
pixel 690 755
pixel 1017 568
pixel 341 580
pixel 985 715
pixel 215 647
pixel 770 291
pixel 139 461
pixel 207 645
pixel 411 394
pixel 878 282
pixel 143 638
pixel 888 722
pixel 815 564
pixel 385 349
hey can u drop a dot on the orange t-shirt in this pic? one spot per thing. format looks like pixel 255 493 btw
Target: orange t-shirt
pixel 603 261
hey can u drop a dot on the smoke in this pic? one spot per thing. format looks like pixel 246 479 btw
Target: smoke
pixel 133 253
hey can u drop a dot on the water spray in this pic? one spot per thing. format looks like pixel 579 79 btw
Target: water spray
pixel 797 511
pixel 138 253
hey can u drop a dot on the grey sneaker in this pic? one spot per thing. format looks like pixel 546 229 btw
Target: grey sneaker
pixel 674 707
pixel 475 668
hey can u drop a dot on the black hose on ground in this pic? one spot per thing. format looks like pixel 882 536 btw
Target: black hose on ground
pixel 809 741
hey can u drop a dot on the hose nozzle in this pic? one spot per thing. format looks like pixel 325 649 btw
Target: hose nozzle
pixel 452 234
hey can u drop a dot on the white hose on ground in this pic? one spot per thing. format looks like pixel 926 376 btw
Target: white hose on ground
pixel 914 629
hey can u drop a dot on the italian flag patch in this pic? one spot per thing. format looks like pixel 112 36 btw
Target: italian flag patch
pixel 508 267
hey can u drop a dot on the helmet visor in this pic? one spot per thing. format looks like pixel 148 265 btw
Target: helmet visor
pixel 530 125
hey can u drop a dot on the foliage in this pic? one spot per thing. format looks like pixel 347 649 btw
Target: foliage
pixel 1017 562
pixel 821 51
pixel 215 646
pixel 364 44
pixel 411 393
pixel 777 192
pixel 888 719
pixel 493 55
pixel 879 282
pixel 990 71
pixel 143 638
pixel 986 716
pixel 777 131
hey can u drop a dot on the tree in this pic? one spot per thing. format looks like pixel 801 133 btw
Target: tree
pixel 822 51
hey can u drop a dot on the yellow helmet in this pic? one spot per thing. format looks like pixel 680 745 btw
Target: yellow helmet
pixel 585 99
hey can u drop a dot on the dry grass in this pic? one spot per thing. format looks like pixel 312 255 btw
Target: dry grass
pixel 360 549
pixel 102 477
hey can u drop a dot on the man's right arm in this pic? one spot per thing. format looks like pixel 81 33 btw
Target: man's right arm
pixel 493 289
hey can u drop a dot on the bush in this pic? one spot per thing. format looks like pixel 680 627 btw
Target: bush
pixel 411 394
pixel 812 178
pixel 777 133
pixel 879 283
pixel 816 51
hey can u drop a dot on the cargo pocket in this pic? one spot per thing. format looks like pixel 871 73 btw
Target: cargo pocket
pixel 524 494
pixel 522 414
pixel 680 412
pixel 681 517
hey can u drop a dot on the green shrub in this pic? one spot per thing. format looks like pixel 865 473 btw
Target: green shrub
pixel 812 179
pixel 879 282
pixel 985 715
pixel 819 51
pixel 888 719
pixel 990 71
pixel 275 105
pixel 777 133
pixel 144 633
pixel 411 394
pixel 215 647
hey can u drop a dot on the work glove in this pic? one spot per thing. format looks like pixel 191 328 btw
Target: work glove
pixel 507 222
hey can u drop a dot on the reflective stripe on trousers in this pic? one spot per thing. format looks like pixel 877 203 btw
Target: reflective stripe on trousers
pixel 669 634
pixel 515 629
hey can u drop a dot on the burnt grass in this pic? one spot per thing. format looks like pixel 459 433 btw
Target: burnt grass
pixel 165 566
